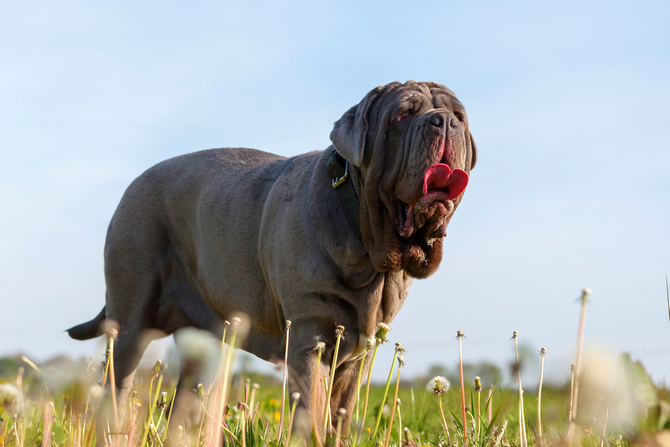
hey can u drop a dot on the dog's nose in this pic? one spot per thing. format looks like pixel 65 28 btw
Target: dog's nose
pixel 453 122
pixel 436 120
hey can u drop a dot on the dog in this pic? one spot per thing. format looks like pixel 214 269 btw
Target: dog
pixel 323 239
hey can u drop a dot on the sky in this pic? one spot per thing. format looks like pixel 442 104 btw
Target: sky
pixel 568 104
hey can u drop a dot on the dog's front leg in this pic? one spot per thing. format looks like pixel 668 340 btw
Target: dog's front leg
pixel 344 390
pixel 308 378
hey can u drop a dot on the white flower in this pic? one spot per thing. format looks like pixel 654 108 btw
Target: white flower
pixel 95 394
pixel 199 350
pixel 9 394
pixel 438 385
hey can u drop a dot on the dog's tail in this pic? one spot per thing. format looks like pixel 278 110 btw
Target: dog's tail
pixel 90 329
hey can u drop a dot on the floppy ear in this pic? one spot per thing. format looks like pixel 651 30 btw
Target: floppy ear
pixel 349 134
pixel 473 152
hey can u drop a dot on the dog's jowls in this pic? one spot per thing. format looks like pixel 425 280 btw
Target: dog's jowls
pixel 203 235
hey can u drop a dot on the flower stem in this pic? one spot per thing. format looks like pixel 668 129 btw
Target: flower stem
pixel 539 396
pixel 395 402
pixel 320 347
pixel 460 337
pixel 283 384
pixel 386 390
pixel 367 394
pixel 444 421
pixel 339 331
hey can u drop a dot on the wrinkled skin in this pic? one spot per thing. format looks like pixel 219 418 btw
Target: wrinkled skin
pixel 198 237
pixel 411 127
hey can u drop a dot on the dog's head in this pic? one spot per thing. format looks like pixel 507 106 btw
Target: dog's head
pixel 411 152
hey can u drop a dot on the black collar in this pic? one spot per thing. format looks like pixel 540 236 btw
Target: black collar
pixel 338 170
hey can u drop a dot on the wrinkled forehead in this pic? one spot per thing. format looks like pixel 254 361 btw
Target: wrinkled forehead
pixel 422 97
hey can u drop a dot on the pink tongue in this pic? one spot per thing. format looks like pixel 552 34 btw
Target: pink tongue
pixel 440 176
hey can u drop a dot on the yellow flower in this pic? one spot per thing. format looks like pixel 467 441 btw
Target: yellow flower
pixel 276 416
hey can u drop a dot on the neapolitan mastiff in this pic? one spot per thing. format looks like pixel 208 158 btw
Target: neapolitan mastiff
pixel 322 239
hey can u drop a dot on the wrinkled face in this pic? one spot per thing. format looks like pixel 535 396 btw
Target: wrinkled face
pixel 414 163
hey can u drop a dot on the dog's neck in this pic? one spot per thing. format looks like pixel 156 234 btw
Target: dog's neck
pixel 338 171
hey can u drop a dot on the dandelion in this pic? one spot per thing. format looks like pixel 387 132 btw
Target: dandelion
pixel 340 415
pixel 522 415
pixel 460 336
pixel 254 390
pixel 283 389
pixel 368 345
pixel 408 438
pixel 295 398
pixel 95 395
pixel 162 401
pixel 396 401
pixel 380 338
pixel 382 330
pixel 580 342
pixel 339 332
pixel 539 395
pixel 320 349
pixel 478 389
pixel 9 394
pixel 439 385
pixel 111 329
pixel 398 350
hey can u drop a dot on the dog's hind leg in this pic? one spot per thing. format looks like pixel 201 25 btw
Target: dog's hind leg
pixel 133 273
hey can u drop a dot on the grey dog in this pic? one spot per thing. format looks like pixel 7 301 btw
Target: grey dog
pixel 203 235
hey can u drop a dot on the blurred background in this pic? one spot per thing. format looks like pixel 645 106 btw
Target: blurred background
pixel 568 104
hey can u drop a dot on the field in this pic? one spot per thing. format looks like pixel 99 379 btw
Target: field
pixel 607 401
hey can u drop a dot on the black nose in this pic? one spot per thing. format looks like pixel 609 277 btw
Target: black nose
pixel 436 120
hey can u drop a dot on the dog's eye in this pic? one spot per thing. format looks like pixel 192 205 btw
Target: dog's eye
pixel 459 115
pixel 402 116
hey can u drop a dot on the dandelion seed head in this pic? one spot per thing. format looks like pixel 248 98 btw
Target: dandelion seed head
pixel 96 392
pixel 438 385
pixel 9 393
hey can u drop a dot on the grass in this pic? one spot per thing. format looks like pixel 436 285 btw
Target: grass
pixel 618 406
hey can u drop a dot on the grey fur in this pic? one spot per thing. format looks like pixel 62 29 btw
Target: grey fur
pixel 202 235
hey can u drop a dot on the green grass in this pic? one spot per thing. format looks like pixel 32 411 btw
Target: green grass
pixel 71 423
pixel 616 398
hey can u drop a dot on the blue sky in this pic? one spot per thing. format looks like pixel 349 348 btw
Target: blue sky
pixel 568 104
